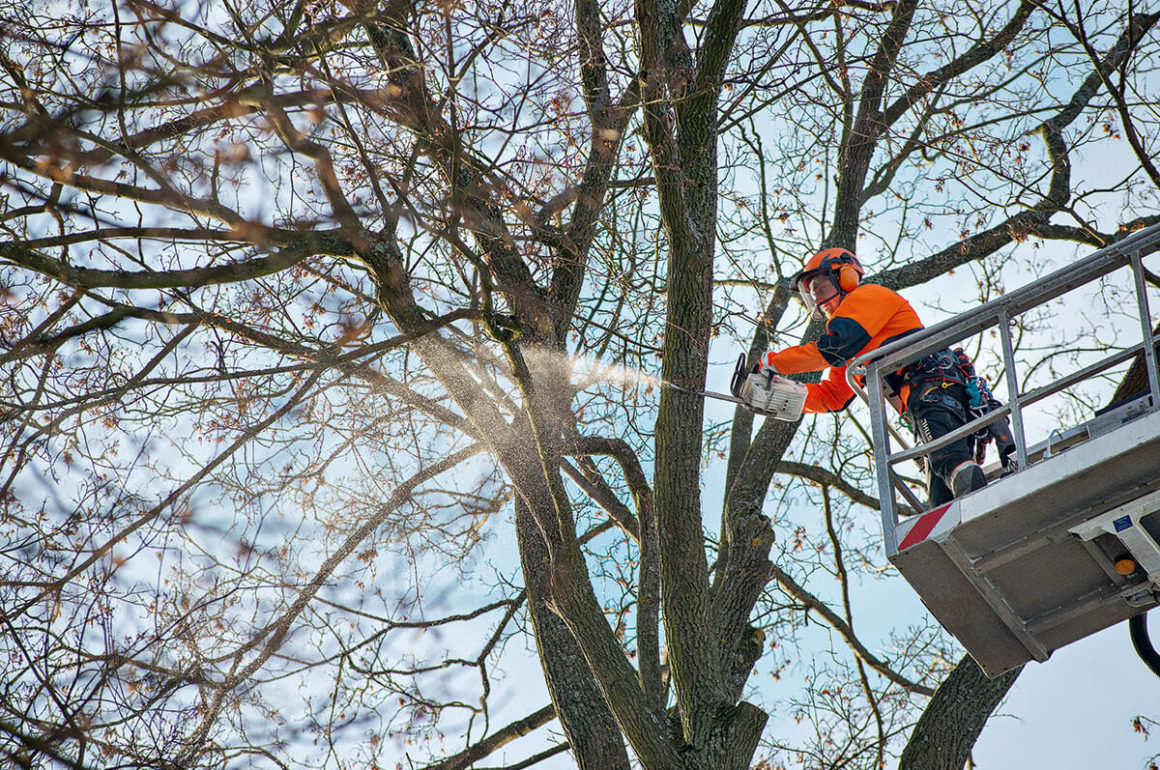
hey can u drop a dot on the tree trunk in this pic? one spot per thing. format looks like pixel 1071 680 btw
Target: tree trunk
pixel 952 721
pixel 592 732
pixel 1136 379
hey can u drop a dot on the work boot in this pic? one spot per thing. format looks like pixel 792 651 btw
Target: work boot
pixel 966 478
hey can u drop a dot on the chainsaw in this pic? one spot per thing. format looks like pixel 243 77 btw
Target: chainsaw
pixel 761 393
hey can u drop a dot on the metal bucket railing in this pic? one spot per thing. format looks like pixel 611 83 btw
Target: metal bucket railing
pixel 875 365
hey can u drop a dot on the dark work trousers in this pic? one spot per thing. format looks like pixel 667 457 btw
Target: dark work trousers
pixel 937 408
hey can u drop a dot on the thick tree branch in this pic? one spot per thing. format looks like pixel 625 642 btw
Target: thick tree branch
pixel 496 740
pixel 973 57
pixel 323 164
pixel 601 494
pixel 1138 26
pixel 70 177
pixel 1032 220
pixel 312 245
pixel 827 477
pixel 862 138
pixel 648 598
pixel 659 32
pixel 608 123
pixel 473 200
pixel 713 57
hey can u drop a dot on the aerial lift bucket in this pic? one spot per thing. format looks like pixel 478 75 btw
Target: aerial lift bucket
pixel 1068 544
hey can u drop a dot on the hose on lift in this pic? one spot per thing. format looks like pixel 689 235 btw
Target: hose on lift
pixel 1138 629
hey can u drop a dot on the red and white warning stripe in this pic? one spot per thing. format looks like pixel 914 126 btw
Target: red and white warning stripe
pixel 930 524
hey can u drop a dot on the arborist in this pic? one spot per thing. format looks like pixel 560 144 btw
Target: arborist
pixel 936 394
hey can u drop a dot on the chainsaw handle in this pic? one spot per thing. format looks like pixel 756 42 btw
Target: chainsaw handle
pixel 740 374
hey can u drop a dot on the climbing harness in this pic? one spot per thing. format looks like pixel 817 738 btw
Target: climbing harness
pixel 933 375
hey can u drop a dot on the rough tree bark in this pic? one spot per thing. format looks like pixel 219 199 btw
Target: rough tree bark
pixel 951 723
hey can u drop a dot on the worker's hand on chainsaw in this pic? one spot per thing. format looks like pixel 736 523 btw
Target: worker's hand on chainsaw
pixel 763 367
pixel 771 375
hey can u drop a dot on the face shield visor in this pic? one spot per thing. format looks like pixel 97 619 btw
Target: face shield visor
pixel 815 290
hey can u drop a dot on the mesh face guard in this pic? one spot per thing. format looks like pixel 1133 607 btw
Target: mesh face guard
pixel 815 289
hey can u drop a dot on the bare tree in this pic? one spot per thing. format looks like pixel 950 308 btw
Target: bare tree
pixel 308 308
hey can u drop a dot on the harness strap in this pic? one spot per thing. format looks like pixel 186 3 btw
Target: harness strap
pixel 935 394
pixel 940 366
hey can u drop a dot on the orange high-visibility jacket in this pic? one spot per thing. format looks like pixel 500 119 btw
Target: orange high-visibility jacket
pixel 868 317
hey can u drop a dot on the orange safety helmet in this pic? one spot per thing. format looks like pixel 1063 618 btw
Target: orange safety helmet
pixel 839 265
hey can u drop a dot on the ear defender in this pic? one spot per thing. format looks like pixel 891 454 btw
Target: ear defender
pixel 848 278
pixel 838 264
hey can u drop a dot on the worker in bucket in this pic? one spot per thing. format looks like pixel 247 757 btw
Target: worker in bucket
pixel 935 393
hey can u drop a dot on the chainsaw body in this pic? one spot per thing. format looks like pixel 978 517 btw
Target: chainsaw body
pixel 767 394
